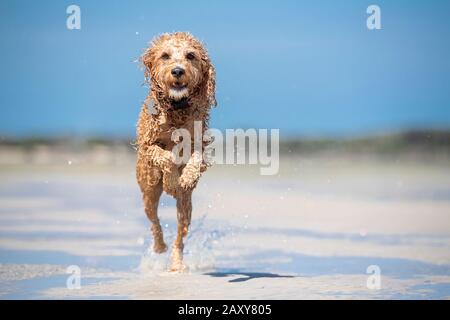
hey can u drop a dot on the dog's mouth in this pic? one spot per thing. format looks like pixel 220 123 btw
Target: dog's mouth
pixel 179 86
pixel 178 90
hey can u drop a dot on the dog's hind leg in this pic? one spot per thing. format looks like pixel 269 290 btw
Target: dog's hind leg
pixel 184 211
pixel 151 199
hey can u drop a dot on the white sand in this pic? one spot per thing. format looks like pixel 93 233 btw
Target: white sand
pixel 310 232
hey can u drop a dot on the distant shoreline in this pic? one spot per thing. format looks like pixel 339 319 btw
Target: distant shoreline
pixel 411 140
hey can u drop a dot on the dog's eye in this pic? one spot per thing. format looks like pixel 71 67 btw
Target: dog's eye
pixel 190 56
pixel 165 56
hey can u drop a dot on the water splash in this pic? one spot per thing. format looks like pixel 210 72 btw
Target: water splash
pixel 199 251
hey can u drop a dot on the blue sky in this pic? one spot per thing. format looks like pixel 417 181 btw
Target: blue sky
pixel 307 67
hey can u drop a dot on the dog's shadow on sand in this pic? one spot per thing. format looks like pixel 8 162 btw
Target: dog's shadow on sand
pixel 245 276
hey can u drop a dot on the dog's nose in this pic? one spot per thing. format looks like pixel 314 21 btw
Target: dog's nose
pixel 177 72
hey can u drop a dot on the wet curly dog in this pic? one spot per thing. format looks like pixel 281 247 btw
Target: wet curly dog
pixel 182 91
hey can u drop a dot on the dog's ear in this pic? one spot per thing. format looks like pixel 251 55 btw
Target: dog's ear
pixel 146 61
pixel 211 85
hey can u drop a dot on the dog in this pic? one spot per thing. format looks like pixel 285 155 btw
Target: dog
pixel 182 91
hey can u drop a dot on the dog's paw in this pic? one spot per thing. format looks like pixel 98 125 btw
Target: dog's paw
pixel 177 264
pixel 186 182
pixel 160 247
pixel 178 267
pixel 167 162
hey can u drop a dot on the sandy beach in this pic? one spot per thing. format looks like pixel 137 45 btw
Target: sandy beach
pixel 310 232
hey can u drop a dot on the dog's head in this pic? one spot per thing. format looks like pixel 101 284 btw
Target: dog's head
pixel 178 69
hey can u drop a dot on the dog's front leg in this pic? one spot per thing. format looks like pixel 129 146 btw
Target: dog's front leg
pixel 192 171
pixel 163 159
pixel 184 211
